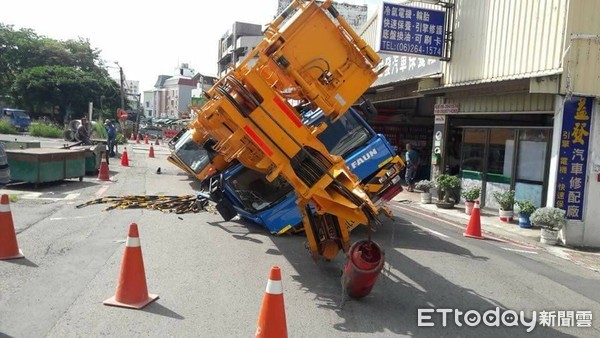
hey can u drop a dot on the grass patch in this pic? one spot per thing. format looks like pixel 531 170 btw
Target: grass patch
pixel 45 130
pixel 7 128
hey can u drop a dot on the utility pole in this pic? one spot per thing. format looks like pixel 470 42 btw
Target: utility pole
pixel 122 85
pixel 137 119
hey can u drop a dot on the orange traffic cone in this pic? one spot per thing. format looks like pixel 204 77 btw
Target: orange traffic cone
pixel 146 139
pixel 474 226
pixel 124 158
pixel 132 291
pixel 151 153
pixel 156 143
pixel 271 320
pixel 103 174
pixel 9 249
pixel 132 137
pixel 137 138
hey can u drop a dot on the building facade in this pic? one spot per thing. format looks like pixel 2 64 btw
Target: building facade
pixel 405 116
pixel 236 44
pixel 184 70
pixel 132 87
pixel 171 95
pixel 178 96
pixel 148 103
pixel 203 84
pixel 516 105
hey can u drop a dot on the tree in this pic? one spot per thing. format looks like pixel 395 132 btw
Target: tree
pixel 41 74
pixel 65 88
pixel 14 47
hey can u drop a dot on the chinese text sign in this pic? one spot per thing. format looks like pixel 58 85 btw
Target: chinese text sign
pixel 403 67
pixel 411 30
pixel 574 141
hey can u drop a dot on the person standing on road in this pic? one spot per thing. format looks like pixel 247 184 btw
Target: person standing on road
pixel 83 134
pixel 112 136
pixel 412 163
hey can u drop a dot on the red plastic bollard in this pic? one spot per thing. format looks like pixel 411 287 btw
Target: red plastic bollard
pixel 364 263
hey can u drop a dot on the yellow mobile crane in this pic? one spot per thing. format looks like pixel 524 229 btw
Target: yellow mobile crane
pixel 313 58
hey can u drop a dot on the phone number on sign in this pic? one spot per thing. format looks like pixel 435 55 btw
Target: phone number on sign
pixel 394 46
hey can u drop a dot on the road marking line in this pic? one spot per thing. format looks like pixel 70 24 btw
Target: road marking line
pixel 36 196
pixel 463 227
pixel 102 190
pixel 432 231
pixel 521 251
pixel 72 217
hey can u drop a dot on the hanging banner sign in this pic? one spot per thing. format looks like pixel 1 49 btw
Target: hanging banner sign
pixel 445 108
pixel 410 30
pixel 572 163
pixel 404 67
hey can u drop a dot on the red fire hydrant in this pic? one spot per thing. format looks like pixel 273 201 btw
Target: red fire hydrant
pixel 364 263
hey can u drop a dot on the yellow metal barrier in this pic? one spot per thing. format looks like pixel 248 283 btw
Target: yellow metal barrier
pixel 317 60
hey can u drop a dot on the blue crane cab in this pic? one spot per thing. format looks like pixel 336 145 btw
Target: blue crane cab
pixel 273 204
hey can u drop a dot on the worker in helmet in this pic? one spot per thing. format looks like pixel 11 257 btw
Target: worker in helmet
pixel 112 137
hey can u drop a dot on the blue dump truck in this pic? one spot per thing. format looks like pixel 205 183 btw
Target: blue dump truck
pixel 17 117
pixel 273 204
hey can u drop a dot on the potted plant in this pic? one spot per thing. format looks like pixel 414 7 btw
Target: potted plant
pixel 526 208
pixel 425 186
pixel 470 195
pixel 551 220
pixel 446 185
pixel 506 200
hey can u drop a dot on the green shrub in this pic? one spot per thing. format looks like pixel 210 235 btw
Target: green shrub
pixel 425 185
pixel 7 128
pixel 549 217
pixel 506 199
pixel 447 182
pixel 45 130
pixel 471 194
pixel 525 207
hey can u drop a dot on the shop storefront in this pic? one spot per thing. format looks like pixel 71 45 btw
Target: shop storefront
pixel 504 158
pixel 418 136
pixel 514 109
pixel 404 115
pixel 498 150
